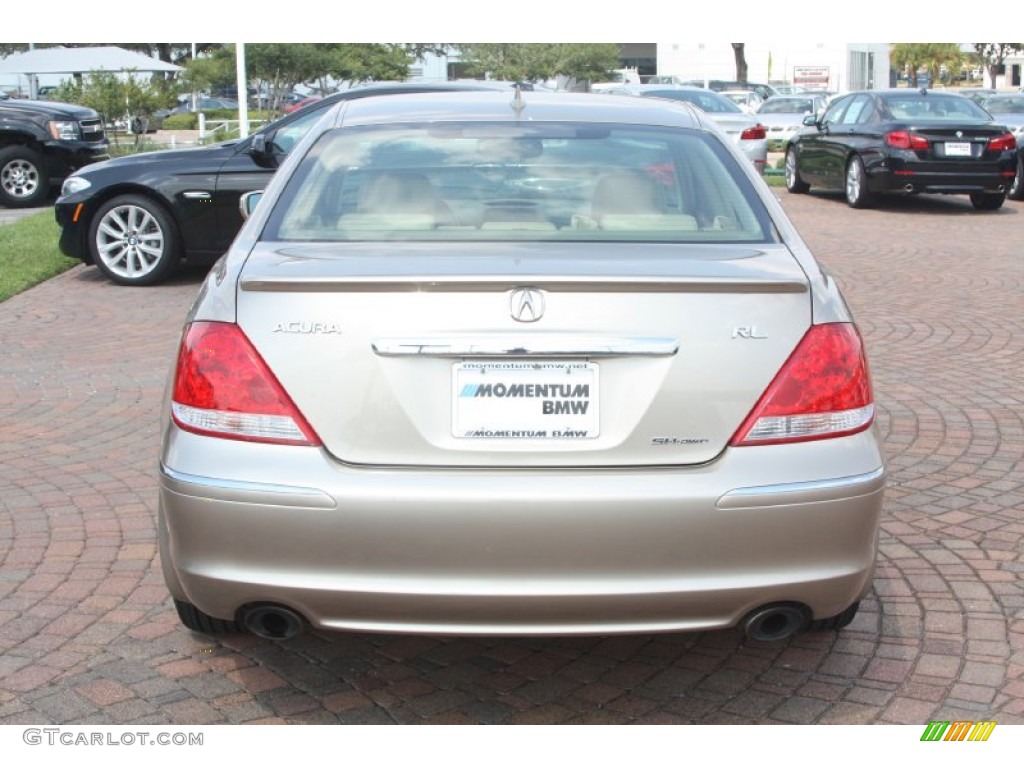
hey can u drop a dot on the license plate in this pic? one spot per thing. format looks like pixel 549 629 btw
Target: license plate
pixel 537 401
pixel 958 149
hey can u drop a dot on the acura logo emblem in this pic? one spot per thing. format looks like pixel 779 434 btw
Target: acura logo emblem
pixel 526 305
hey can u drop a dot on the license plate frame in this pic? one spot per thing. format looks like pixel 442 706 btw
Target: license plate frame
pixel 533 401
pixel 957 148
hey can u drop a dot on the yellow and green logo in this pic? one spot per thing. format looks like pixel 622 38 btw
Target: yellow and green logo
pixel 958 730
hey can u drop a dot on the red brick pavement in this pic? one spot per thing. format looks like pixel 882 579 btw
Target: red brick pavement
pixel 87 634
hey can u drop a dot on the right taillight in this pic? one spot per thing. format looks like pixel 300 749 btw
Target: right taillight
pixel 224 388
pixel 1002 143
pixel 823 390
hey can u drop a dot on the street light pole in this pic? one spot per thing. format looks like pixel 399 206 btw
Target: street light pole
pixel 243 91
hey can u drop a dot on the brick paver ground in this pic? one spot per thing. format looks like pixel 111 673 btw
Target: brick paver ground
pixel 87 634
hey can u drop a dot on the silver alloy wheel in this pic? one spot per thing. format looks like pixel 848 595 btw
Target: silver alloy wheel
pixel 130 241
pixel 790 169
pixel 794 183
pixel 854 181
pixel 20 178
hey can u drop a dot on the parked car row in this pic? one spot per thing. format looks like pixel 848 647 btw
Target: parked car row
pixel 137 217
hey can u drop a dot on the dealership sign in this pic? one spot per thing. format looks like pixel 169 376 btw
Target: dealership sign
pixel 812 77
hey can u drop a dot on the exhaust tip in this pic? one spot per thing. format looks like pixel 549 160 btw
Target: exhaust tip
pixel 272 622
pixel 772 623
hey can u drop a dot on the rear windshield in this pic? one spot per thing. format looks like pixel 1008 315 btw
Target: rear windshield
pixel 519 181
pixel 932 106
pixel 787 106
pixel 1013 105
pixel 709 101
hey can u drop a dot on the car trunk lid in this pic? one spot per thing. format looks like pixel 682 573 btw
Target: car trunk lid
pixel 506 354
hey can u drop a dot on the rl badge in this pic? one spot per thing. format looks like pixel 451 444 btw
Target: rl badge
pixel 525 400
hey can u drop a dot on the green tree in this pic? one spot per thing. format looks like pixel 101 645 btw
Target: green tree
pixel 115 96
pixel 540 61
pixel 360 62
pixel 931 57
pixel 909 57
pixel 215 70
pixel 994 54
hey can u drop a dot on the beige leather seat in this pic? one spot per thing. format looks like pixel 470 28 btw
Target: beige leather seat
pixel 401 192
pixel 630 201
pixel 625 192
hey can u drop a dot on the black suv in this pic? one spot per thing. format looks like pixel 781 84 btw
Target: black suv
pixel 137 217
pixel 41 142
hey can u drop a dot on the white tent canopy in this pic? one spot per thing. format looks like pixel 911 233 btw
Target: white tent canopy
pixel 54 65
pixel 72 61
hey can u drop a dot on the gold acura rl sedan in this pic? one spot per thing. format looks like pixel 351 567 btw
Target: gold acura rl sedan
pixel 518 364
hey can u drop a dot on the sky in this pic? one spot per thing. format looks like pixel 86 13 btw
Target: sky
pixel 475 21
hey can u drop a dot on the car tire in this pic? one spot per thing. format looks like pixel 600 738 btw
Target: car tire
pixel 1017 188
pixel 857 193
pixel 133 241
pixel 198 621
pixel 834 622
pixel 24 180
pixel 986 202
pixel 794 183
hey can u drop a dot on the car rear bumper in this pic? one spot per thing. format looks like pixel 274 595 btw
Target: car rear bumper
pixel 513 552
pixel 991 178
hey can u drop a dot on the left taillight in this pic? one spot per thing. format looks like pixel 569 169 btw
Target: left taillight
pixel 755 132
pixel 906 140
pixel 224 388
pixel 822 391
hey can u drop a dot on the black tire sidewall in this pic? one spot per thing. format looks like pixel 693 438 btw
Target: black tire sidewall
pixel 1017 190
pixel 171 255
pixel 7 154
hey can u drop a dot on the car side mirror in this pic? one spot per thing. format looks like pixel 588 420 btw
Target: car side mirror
pixel 261 149
pixel 811 120
pixel 259 145
pixel 247 203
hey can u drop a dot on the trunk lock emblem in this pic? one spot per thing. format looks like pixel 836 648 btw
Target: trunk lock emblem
pixel 527 305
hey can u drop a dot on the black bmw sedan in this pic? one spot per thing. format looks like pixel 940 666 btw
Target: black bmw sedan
pixel 903 141
pixel 137 217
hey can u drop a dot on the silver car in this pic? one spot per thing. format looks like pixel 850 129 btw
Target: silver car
pixel 551 364
pixel 1008 109
pixel 783 117
pixel 743 128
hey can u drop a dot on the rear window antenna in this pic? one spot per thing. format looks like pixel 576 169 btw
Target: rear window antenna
pixel 517 101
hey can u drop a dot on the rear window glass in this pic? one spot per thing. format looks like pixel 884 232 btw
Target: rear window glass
pixel 915 106
pixel 1007 106
pixel 534 182
pixel 786 106
pixel 709 101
